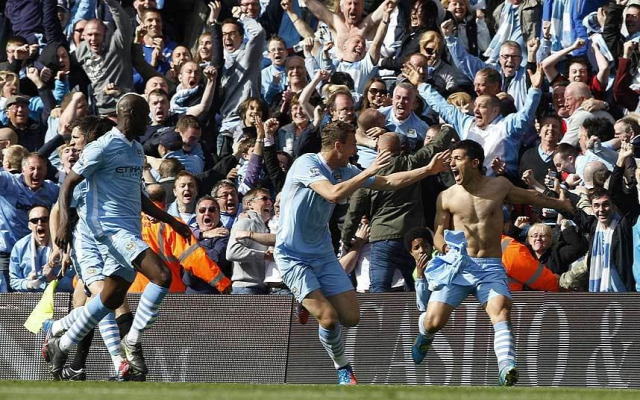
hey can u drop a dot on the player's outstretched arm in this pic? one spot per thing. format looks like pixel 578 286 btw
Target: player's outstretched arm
pixel 335 193
pixel 518 195
pixel 398 180
pixel 149 208
pixel 63 234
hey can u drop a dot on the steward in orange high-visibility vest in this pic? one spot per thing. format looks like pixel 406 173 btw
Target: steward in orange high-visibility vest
pixel 523 269
pixel 177 254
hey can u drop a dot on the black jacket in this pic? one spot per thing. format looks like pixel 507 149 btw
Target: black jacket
pixel 622 241
pixel 571 245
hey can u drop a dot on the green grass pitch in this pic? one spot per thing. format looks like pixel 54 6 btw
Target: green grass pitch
pixel 39 390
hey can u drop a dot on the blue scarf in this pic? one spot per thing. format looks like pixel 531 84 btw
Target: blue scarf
pixel 603 276
pixel 180 99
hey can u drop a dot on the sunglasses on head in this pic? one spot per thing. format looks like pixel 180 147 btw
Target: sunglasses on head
pixel 210 209
pixel 39 219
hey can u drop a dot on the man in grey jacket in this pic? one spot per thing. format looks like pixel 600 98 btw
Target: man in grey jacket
pixel 250 242
pixel 105 55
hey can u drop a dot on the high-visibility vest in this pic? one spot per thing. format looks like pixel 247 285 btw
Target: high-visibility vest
pixel 177 253
pixel 523 269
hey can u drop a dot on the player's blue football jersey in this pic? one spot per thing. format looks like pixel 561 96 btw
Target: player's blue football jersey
pixel 112 166
pixel 304 214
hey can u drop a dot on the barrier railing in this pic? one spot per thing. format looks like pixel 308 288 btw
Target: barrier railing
pixel 562 340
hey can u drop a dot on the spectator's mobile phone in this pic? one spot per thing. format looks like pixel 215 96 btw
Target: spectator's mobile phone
pixel 249 131
pixel 552 175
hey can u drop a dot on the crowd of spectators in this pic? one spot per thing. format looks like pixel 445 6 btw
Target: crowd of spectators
pixel 237 90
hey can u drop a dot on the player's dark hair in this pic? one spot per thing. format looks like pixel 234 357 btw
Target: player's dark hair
pixel 92 127
pixel 336 131
pixel 473 150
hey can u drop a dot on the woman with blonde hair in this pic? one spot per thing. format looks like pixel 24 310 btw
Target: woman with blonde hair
pixel 443 75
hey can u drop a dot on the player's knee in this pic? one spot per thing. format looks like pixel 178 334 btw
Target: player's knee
pixel 350 320
pixel 328 318
pixel 501 315
pixel 163 277
pixel 114 299
pixel 434 322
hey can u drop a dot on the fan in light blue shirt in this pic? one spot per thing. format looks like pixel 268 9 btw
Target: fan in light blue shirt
pixel 18 193
pixel 28 269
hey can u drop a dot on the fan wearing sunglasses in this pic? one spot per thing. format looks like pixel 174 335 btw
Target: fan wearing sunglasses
pixel 444 76
pixel 28 268
pixel 213 237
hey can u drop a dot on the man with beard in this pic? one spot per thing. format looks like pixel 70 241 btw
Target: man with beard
pixel 30 133
pixel 468 226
